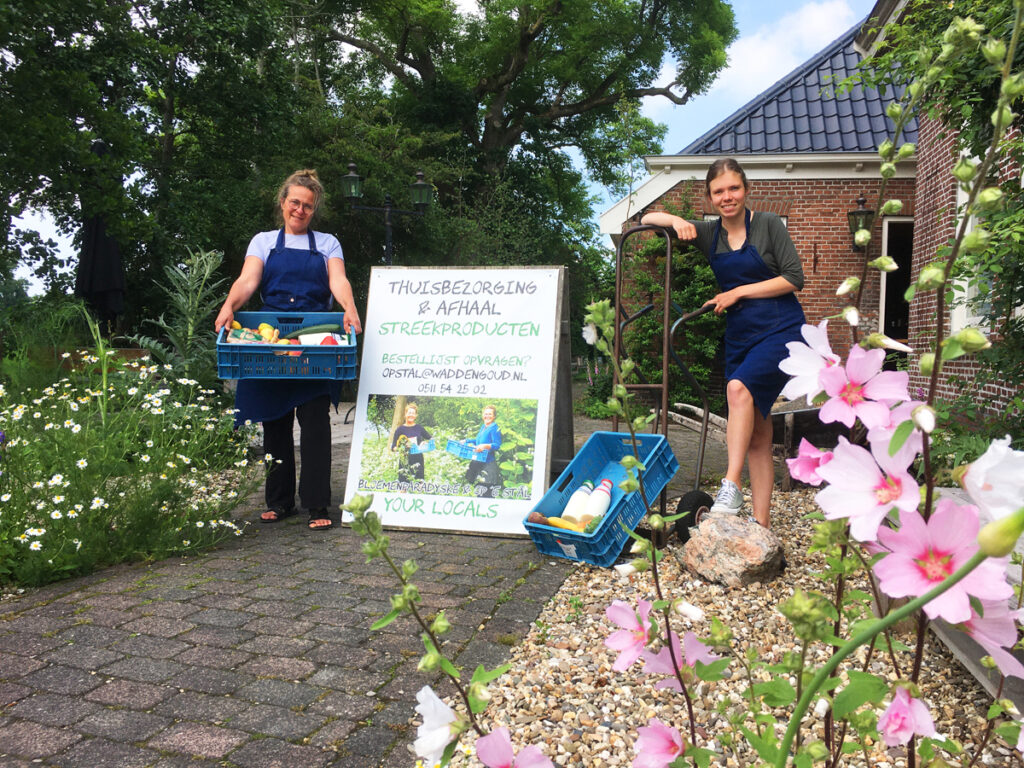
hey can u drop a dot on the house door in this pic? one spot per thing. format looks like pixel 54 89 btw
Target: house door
pixel 894 312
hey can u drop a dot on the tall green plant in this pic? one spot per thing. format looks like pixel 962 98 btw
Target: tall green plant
pixel 187 342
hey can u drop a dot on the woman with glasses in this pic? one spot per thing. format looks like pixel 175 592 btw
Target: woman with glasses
pixel 296 270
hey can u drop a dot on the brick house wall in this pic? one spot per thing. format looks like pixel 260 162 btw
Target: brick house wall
pixel 934 225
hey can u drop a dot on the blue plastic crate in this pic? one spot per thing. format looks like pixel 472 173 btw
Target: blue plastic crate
pixel 464 450
pixel 426 447
pixel 598 459
pixel 259 361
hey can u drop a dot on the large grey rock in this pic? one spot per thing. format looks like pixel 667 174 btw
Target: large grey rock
pixel 732 550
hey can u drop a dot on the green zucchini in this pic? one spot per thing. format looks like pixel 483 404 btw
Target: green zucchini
pixel 323 328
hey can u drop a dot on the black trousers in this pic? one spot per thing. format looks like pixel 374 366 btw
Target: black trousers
pixel 484 473
pixel 314 455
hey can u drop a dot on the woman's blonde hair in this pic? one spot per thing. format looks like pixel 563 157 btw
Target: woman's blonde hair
pixel 306 178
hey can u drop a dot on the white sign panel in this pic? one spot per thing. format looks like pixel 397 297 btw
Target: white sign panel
pixel 455 396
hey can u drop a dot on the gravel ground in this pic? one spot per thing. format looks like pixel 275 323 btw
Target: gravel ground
pixel 563 695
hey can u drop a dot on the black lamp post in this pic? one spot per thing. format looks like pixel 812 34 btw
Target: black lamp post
pixel 352 188
pixel 860 218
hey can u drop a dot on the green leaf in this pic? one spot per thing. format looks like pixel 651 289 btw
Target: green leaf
pixel 951 349
pixel 449 668
pixel 766 746
pixel 385 620
pixel 481 675
pixel 863 688
pixel 899 437
pixel 775 693
pixel 449 752
pixel 713 671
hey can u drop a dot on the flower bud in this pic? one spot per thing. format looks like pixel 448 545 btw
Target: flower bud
pixel 885 150
pixel 915 89
pixel 429 662
pixel 399 603
pixel 976 240
pixel 619 391
pixel 998 538
pixel 972 340
pixel 849 284
pixel 851 316
pixel 964 170
pixel 1013 86
pixel 656 522
pixel 881 341
pixel 894 111
pixel 479 691
pixel 884 264
pixel 1002 117
pixel 862 237
pixel 440 624
pixel 640 547
pixel 926 363
pixel 687 610
pixel 892 207
pixel 947 51
pixel 887 170
pixel 627 367
pixel 924 418
pixel 995 52
pixel 906 150
pixel 990 198
pixel 932 276
pixel 614 405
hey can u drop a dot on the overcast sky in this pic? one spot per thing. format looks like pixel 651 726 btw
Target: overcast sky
pixel 774 38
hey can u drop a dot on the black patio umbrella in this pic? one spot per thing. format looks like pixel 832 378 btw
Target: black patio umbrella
pixel 100 276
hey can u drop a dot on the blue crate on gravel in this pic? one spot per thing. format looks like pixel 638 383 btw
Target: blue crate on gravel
pixel 598 459
pixel 259 361
pixel 426 447
pixel 464 450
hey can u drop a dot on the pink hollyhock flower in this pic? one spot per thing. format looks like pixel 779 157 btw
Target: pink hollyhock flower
pixel 995 632
pixel 862 390
pixel 657 745
pixel 495 751
pixel 805 466
pixel 923 554
pixel 995 481
pixel 864 487
pixel 806 361
pixel 693 650
pixel 632 638
pixel 883 434
pixel 905 717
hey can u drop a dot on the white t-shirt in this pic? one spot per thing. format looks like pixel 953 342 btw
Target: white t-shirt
pixel 264 243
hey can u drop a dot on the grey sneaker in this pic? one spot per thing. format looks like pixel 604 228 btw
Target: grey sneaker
pixel 729 500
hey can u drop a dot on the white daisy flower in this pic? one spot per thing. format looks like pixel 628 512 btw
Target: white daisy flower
pixel 81 463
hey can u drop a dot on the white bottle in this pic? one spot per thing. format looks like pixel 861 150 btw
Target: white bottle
pixel 577 502
pixel 598 501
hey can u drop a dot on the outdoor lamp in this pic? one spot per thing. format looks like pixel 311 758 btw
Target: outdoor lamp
pixel 421 192
pixel 352 184
pixel 860 218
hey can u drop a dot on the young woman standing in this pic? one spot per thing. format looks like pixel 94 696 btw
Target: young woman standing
pixel 758 271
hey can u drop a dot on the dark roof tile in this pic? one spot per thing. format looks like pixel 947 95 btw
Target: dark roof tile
pixel 801 112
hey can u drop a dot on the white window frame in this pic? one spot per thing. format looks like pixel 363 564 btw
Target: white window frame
pixel 885 250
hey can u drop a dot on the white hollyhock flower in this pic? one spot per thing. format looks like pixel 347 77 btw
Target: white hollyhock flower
pixel 435 733
pixel 995 482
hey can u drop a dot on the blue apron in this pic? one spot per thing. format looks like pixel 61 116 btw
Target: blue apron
pixel 294 280
pixel 756 330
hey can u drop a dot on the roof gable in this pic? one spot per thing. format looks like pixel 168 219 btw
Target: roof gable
pixel 801 112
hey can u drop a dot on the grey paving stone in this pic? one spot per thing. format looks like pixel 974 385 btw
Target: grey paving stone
pixel 279 722
pixel 225 602
pixel 345 706
pixel 127 693
pixel 269 625
pixel 207 680
pixel 85 657
pixel 155 647
pixel 158 626
pixel 122 725
pixel 25 644
pixel 279 609
pixel 25 739
pixel 343 655
pixel 198 739
pixel 279 693
pixel 52 709
pixel 201 707
pixel 103 753
pixel 219 637
pixel 207 656
pixel 108 617
pixel 355 681
pixel 272 753
pixel 142 669
pixel 284 668
pixel 12 666
pixel 334 733
pixel 372 741
pixel 277 646
pixel 172 610
pixel 60 679
pixel 11 692
pixel 87 634
pixel 221 618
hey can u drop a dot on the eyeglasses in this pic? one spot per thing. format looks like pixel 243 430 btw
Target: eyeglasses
pixel 294 205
